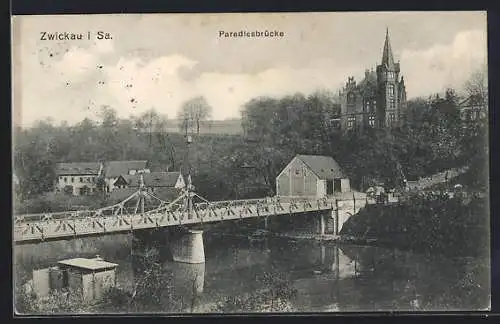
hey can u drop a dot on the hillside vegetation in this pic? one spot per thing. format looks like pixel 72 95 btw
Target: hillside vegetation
pixel 245 165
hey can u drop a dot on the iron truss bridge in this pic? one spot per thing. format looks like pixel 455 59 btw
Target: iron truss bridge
pixel 132 213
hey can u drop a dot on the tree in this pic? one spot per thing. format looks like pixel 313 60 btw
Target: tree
pixel 192 112
pixel 476 87
pixel 107 134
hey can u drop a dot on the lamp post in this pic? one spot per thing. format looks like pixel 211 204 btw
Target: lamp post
pixel 189 185
pixel 142 195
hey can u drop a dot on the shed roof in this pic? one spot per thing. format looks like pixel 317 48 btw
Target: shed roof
pixel 325 167
pixel 88 264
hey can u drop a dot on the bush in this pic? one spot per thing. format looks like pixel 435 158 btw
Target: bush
pixel 434 223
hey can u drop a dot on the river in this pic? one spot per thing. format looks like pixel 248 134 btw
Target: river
pixel 327 277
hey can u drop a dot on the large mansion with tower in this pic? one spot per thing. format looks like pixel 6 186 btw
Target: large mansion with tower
pixel 379 100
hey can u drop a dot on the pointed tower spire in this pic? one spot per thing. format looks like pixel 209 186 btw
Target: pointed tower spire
pixel 387 58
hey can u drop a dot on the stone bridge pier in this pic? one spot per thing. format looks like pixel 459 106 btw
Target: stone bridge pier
pixel 187 246
pixel 178 244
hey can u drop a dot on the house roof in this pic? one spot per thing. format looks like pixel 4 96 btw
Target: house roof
pixel 116 168
pixel 167 193
pixel 153 179
pixel 164 193
pixel 77 168
pixel 88 264
pixel 112 168
pixel 121 194
pixel 325 167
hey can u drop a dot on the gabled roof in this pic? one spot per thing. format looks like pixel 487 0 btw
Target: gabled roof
pixel 112 169
pixel 324 167
pixel 116 168
pixel 77 168
pixel 153 179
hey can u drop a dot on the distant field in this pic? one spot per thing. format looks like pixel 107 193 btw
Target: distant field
pixel 230 126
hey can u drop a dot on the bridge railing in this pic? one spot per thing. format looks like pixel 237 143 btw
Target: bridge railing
pixel 120 218
pixel 90 222
pixel 122 210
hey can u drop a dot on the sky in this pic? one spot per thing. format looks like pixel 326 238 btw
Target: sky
pixel 161 60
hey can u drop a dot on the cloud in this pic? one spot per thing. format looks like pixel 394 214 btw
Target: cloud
pixel 75 63
pixel 81 80
pixel 432 69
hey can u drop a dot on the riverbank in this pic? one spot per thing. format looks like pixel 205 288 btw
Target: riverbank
pixel 434 224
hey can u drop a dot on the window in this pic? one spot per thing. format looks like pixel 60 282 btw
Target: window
pixel 392 118
pixel 392 103
pixel 350 121
pixel 371 121
pixel 65 179
pixel 81 179
pixel 72 179
pixel 337 185
pixel 367 105
pixel 329 187
pixel 391 90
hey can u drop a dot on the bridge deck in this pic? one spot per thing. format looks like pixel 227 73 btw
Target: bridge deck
pixel 39 227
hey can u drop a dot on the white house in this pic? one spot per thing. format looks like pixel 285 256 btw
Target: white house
pixel 80 178
pixel 76 178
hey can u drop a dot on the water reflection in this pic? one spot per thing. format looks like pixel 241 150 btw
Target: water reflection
pixel 327 277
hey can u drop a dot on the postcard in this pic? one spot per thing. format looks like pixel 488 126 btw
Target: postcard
pixel 240 163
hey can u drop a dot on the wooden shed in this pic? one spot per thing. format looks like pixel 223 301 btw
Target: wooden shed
pixel 312 176
pixel 89 276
